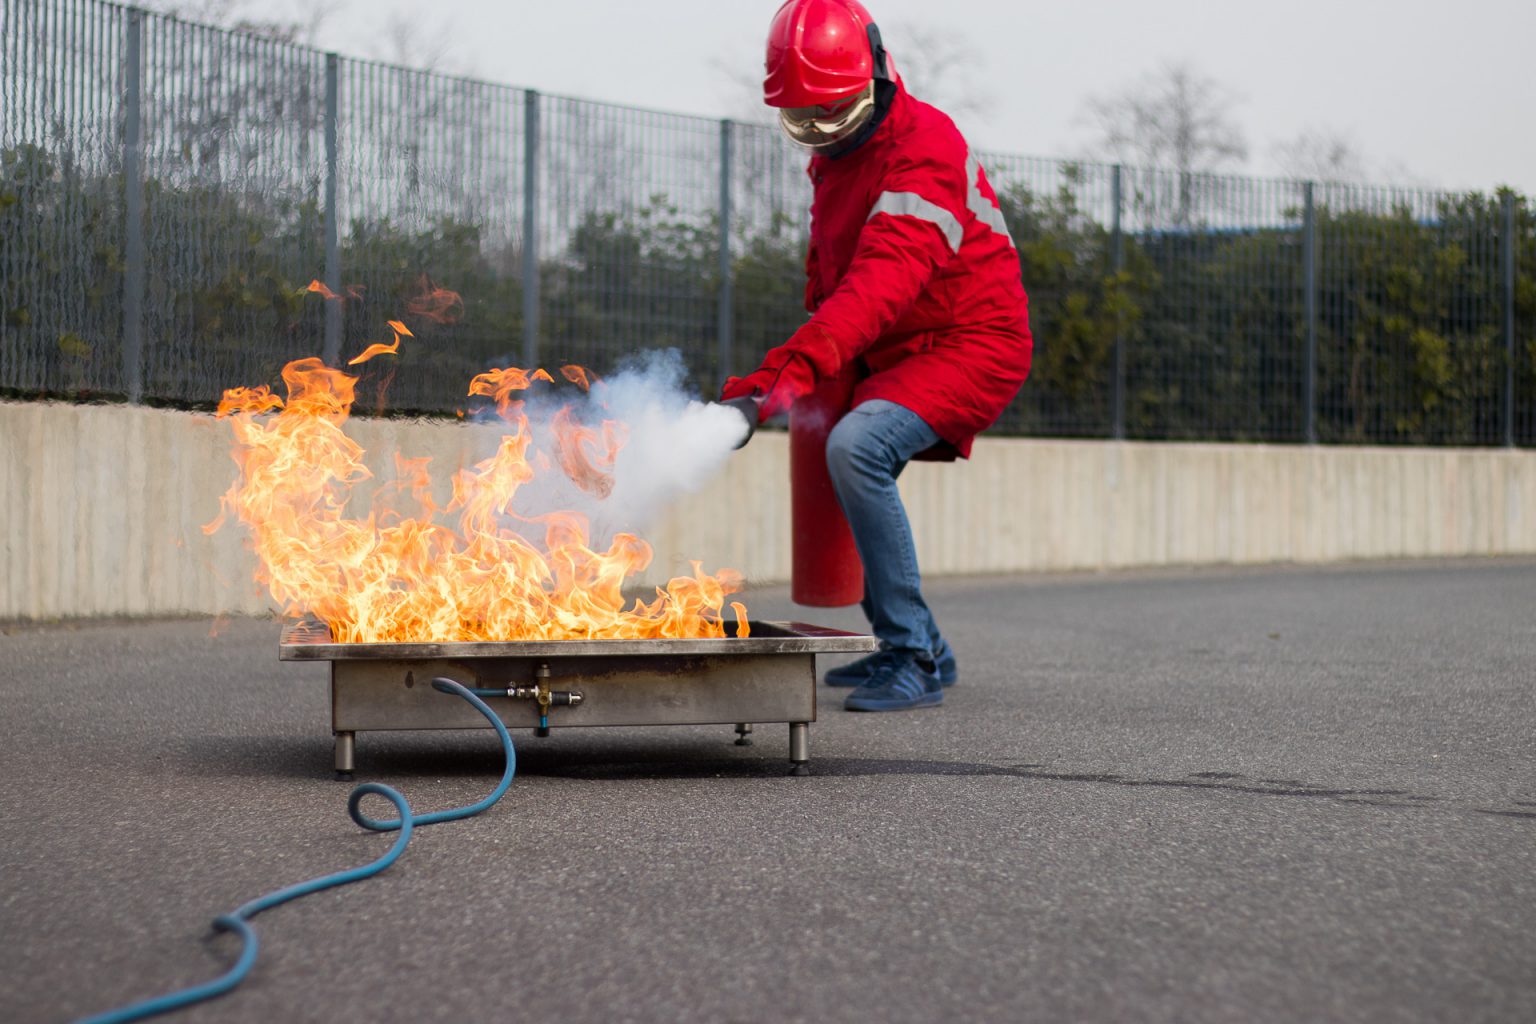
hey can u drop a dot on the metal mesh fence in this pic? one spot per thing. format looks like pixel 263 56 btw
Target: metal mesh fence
pixel 1061 217
pixel 771 227
pixel 232 166
pixel 169 191
pixel 630 233
pixel 1518 243
pixel 429 196
pixel 61 197
pixel 1217 348
pixel 1411 344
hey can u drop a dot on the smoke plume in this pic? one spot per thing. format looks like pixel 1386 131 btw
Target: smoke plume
pixel 671 444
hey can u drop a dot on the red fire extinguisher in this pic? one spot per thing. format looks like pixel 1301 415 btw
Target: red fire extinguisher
pixel 827 572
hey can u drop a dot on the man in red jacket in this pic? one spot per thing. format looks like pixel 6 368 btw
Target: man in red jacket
pixel 914 287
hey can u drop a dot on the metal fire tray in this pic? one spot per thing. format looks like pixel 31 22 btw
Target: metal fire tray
pixel 769 676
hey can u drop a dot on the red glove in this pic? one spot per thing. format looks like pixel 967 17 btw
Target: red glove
pixel 789 371
pixel 784 376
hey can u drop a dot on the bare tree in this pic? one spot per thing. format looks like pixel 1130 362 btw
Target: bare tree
pixel 1173 118
pixel 741 75
pixel 409 41
pixel 403 37
pixel 940 66
pixel 1319 154
pixel 257 17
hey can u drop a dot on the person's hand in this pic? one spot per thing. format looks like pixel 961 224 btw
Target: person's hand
pixel 784 376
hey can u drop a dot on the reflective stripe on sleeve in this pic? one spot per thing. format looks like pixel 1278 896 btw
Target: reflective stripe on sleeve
pixel 910 204
pixel 982 207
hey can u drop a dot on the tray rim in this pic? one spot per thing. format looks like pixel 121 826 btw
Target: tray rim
pixel 768 637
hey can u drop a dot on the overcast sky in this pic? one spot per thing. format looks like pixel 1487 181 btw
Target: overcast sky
pixel 1428 92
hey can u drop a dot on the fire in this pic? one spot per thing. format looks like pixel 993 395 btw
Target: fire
pixel 503 384
pixel 379 348
pixel 585 459
pixel 579 375
pixel 406 575
pixel 354 292
pixel 436 304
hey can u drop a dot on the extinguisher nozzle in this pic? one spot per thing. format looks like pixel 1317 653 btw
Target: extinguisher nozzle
pixel 749 410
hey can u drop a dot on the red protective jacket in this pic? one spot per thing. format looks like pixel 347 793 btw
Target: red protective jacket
pixel 913 278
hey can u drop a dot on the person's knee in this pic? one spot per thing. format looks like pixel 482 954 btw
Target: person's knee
pixel 852 450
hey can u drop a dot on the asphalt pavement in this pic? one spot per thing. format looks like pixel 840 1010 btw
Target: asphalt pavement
pixel 1258 795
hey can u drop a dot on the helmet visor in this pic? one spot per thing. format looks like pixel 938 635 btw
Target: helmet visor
pixel 823 127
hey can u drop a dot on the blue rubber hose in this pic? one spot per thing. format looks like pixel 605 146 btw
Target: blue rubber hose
pixel 237 921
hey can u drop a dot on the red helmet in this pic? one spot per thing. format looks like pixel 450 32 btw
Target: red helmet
pixel 819 53
pixel 824 57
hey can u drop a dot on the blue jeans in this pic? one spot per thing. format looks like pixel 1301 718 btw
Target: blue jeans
pixel 866 452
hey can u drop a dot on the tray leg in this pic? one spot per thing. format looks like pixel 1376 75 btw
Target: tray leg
pixel 345 742
pixel 799 748
pixel 743 734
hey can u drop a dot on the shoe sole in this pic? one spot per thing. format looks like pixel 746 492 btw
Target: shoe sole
pixel 927 700
pixel 844 683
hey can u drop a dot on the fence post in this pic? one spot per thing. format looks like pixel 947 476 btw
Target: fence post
pixel 332 244
pixel 725 321
pixel 133 194
pixel 1309 273
pixel 530 229
pixel 1508 262
pixel 1117 264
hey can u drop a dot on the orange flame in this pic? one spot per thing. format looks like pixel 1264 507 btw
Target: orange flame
pixel 393 576
pixel 354 292
pixel 379 348
pixel 436 304
pixel 500 384
pixel 579 375
pixel 578 448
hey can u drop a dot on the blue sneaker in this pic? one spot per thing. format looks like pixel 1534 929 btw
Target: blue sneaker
pixel 897 684
pixel 856 673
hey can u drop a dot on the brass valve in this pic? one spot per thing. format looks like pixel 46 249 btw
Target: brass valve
pixel 545 698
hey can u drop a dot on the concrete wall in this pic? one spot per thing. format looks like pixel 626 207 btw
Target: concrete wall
pixel 100 507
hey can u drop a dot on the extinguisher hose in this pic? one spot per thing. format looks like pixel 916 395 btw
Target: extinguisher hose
pixel 238 920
